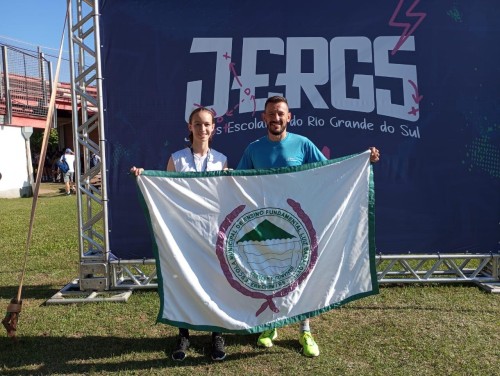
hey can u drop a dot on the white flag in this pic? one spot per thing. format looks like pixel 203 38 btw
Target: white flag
pixel 245 251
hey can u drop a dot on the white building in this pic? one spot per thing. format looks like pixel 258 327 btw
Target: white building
pixel 16 172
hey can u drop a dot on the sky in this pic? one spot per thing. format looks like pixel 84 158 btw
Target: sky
pixel 29 24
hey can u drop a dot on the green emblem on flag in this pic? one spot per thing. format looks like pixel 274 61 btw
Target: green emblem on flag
pixel 268 249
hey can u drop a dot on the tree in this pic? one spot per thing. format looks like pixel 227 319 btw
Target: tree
pixel 37 138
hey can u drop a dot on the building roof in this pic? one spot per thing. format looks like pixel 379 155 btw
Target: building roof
pixel 30 97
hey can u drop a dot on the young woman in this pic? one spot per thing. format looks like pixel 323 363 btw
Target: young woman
pixel 198 157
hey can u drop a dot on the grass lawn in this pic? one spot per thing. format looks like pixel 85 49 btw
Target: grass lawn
pixel 405 330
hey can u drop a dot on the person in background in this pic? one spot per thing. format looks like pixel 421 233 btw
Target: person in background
pixel 56 173
pixel 68 176
pixel 280 148
pixel 198 157
pixel 94 160
pixel 35 159
pixel 47 167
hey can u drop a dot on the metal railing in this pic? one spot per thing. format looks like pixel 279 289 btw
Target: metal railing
pixel 25 84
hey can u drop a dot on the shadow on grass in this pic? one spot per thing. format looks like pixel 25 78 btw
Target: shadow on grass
pixel 54 195
pixel 62 355
pixel 29 292
pixel 413 307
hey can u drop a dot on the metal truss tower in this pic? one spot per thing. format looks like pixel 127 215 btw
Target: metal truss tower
pixel 91 184
pixel 118 278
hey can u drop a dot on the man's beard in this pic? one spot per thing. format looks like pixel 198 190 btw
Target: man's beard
pixel 276 133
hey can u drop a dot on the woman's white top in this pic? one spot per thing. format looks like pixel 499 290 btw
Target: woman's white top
pixel 186 161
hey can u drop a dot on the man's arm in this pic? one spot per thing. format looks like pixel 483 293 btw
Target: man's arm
pixel 314 154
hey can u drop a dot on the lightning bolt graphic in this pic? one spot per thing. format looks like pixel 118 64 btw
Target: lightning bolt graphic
pixel 408 27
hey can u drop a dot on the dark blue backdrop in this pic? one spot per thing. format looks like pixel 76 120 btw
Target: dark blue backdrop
pixel 424 75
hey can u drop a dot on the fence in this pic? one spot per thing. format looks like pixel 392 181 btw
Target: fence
pixel 25 84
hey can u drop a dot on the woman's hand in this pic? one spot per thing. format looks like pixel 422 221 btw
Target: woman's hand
pixel 136 170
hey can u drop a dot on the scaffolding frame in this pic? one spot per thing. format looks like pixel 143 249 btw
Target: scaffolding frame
pixel 102 278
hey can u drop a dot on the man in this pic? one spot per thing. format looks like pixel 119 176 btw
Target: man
pixel 280 149
pixel 68 176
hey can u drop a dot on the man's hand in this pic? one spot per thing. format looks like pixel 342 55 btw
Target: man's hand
pixel 375 154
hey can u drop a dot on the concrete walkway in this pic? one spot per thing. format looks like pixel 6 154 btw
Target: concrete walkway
pixel 51 189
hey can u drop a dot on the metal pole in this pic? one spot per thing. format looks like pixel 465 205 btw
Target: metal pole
pixel 8 101
pixel 41 74
pixel 74 107
pixel 27 132
pixel 54 120
pixel 102 138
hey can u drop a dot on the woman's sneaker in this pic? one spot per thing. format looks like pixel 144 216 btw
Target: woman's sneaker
pixel 218 352
pixel 179 354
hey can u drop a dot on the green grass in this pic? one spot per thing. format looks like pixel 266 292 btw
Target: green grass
pixel 409 330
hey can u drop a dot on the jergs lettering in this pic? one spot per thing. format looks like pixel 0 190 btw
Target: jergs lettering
pixel 329 67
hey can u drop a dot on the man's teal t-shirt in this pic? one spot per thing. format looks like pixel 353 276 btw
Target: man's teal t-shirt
pixel 293 150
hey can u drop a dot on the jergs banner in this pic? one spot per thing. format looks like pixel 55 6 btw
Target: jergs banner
pixel 417 79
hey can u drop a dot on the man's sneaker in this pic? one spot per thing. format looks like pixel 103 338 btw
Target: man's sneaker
pixel 309 346
pixel 180 350
pixel 266 338
pixel 218 352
